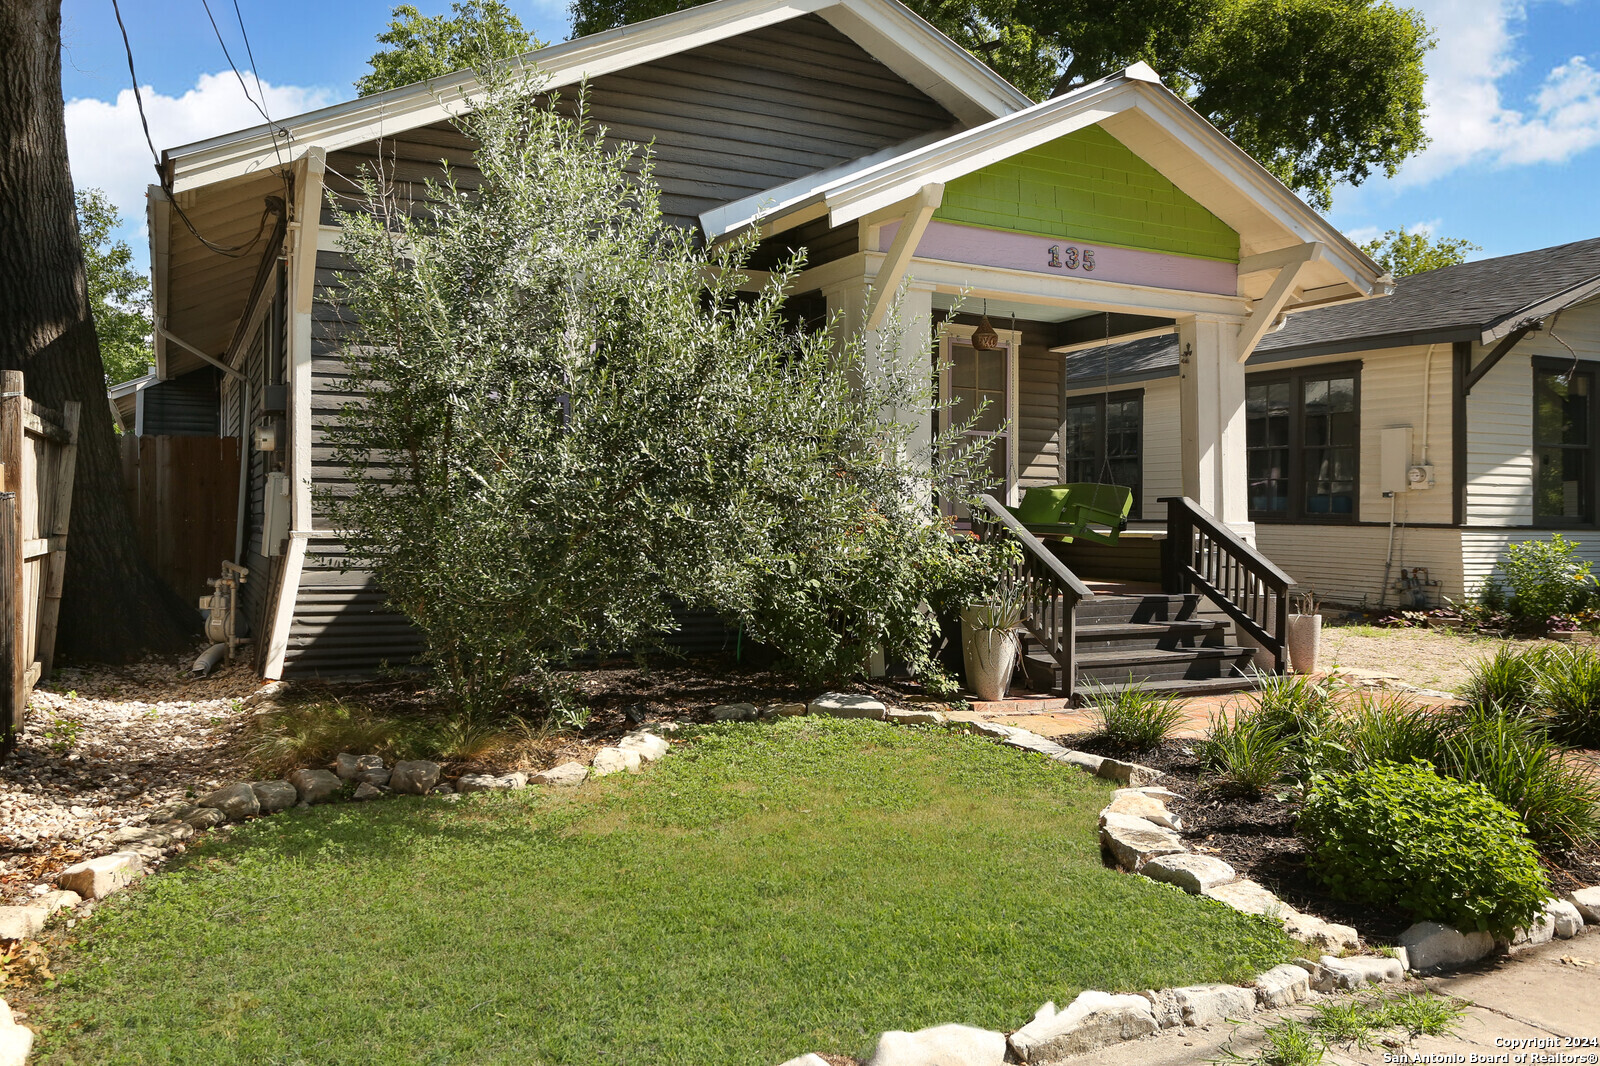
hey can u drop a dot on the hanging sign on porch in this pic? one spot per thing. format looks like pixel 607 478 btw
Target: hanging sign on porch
pixel 954 242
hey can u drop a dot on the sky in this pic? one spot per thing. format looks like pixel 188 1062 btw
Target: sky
pixel 1513 104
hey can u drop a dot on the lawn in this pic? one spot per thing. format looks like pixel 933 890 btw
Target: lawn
pixel 764 891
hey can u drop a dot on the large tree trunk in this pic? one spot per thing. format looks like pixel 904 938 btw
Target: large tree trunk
pixel 112 605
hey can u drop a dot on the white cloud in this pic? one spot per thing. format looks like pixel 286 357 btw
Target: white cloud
pixel 106 142
pixel 1469 118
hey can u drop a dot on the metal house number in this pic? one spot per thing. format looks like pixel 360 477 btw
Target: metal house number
pixel 1070 258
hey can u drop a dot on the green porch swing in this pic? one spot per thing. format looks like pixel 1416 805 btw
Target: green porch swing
pixel 1074 511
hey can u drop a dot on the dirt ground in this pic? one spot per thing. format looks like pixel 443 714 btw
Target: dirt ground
pixel 1427 658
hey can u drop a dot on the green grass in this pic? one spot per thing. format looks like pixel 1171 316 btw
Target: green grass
pixel 767 891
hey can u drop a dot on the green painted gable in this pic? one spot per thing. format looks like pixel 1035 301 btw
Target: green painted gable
pixel 1087 186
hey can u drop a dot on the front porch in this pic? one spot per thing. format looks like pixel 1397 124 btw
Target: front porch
pixel 1216 609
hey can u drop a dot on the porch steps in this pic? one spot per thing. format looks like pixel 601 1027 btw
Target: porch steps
pixel 1159 642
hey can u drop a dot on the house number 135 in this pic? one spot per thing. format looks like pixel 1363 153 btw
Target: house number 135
pixel 1069 258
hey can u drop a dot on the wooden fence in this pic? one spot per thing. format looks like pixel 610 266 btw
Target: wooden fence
pixel 183 493
pixel 38 457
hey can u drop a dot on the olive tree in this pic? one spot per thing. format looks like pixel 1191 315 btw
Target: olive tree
pixel 572 418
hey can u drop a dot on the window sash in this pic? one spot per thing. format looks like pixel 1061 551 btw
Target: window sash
pixel 1093 452
pixel 1303 444
pixel 1564 467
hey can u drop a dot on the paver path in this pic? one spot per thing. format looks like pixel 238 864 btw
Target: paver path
pixel 1534 994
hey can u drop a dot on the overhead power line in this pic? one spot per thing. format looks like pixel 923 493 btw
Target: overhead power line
pixel 234 252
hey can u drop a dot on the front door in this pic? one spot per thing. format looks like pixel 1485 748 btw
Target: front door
pixel 983 383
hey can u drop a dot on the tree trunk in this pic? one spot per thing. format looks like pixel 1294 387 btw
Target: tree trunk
pixel 112 605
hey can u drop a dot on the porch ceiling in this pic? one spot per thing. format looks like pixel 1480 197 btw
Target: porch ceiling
pixel 200 293
pixel 1002 311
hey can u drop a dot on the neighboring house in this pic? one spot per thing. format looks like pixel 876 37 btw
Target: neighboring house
pixel 1453 418
pixel 850 127
pixel 185 406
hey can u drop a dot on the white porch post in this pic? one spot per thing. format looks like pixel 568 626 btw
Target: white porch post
pixel 907 353
pixel 1211 391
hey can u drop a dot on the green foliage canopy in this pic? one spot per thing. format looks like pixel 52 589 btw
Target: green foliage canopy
pixel 573 418
pixel 1320 91
pixel 476 32
pixel 1403 253
pixel 119 295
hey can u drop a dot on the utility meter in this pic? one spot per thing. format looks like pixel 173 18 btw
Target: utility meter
pixel 265 438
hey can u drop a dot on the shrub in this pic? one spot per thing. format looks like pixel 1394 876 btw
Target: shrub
pixel 1392 728
pixel 1436 848
pixel 1568 693
pixel 1133 717
pixel 1507 679
pixel 572 420
pixel 1304 715
pixel 1243 754
pixel 1545 577
pixel 1558 801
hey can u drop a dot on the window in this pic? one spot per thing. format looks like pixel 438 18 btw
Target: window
pixel 1563 444
pixel 1303 444
pixel 973 379
pixel 1102 442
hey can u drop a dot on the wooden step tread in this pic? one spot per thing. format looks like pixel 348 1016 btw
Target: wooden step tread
pixel 1088 660
pixel 1204 686
pixel 1112 631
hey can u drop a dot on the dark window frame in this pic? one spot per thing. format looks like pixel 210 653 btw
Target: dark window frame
pixel 1296 378
pixel 1098 401
pixel 1544 364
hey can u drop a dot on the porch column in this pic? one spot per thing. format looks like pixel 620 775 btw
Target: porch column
pixel 907 352
pixel 1211 391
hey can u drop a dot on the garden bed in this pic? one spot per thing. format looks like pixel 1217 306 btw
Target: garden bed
pixel 1256 836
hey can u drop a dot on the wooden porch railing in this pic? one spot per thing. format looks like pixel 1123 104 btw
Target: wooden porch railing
pixel 1049 591
pixel 1203 555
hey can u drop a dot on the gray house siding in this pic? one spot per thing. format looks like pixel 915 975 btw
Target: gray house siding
pixel 263 363
pixel 185 406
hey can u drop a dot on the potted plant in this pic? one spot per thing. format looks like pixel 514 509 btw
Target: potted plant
pixel 1304 633
pixel 989 642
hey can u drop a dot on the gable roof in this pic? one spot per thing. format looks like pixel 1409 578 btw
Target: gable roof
pixel 1480 301
pixel 1135 108
pixel 891 32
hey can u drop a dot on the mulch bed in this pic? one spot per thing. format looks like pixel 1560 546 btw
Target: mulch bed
pixel 1255 835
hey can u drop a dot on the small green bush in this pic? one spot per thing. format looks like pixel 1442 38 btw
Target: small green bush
pixel 1511 758
pixel 1545 577
pixel 1436 848
pixel 1508 679
pixel 1392 728
pixel 1243 754
pixel 1568 692
pixel 1133 717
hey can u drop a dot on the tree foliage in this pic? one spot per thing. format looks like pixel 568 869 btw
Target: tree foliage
pixel 119 295
pixel 475 33
pixel 1403 253
pixel 1320 91
pixel 573 418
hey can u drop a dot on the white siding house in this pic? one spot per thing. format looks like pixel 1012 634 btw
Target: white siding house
pixel 1433 360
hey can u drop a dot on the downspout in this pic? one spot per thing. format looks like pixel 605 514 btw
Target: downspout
pixel 244 471
pixel 1427 399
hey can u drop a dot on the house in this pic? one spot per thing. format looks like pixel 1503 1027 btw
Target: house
pixel 1394 447
pixel 850 127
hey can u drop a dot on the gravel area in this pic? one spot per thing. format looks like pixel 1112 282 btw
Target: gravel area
pixel 102 747
pixel 1427 658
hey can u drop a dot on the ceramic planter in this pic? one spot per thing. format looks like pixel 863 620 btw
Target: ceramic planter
pixel 1305 638
pixel 990 656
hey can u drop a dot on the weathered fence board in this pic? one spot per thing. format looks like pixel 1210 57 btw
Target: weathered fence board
pixel 183 493
pixel 38 456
